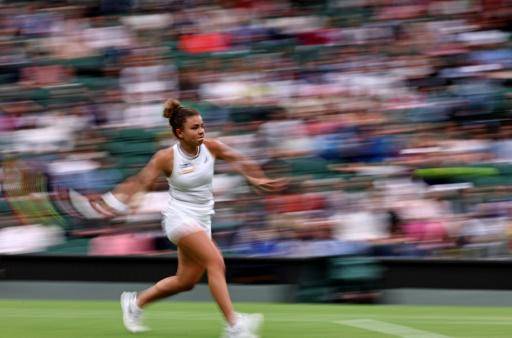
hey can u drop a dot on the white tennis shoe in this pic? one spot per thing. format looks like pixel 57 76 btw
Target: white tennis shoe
pixel 246 326
pixel 132 314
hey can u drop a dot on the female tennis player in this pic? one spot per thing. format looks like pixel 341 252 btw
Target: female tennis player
pixel 189 167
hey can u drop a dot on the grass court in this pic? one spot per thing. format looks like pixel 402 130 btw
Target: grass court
pixel 80 319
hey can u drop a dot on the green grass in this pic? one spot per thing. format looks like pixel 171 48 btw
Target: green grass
pixel 80 319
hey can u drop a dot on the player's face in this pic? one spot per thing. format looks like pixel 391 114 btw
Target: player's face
pixel 193 130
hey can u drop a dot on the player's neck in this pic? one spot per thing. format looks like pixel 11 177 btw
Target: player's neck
pixel 189 150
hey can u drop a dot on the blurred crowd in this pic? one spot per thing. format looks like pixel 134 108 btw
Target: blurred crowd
pixel 391 118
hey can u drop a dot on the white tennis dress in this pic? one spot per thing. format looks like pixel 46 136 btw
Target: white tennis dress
pixel 191 195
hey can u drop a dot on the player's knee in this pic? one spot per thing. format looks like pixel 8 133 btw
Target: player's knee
pixel 187 284
pixel 216 265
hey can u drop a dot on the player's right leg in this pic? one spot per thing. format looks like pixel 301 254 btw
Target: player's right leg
pixel 188 274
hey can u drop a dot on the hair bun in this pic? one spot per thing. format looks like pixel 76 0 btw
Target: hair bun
pixel 170 107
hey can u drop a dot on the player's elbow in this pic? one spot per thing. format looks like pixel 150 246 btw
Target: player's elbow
pixel 139 184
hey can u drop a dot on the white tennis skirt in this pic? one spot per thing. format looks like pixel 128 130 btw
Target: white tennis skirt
pixel 180 222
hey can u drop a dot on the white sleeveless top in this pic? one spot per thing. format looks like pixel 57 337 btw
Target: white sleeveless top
pixel 190 184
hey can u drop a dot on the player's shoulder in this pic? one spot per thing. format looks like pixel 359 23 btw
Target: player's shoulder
pixel 212 144
pixel 164 155
pixel 211 141
pixel 163 159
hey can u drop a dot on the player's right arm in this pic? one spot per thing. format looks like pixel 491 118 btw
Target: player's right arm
pixel 117 201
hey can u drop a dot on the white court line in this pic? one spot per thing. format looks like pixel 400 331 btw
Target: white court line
pixel 195 317
pixel 75 311
pixel 388 328
pixel 282 317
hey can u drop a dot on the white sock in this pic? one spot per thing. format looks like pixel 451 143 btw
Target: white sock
pixel 134 305
pixel 237 319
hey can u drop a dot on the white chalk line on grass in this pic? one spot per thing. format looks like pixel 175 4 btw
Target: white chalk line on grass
pixel 389 328
pixel 284 316
pixel 185 315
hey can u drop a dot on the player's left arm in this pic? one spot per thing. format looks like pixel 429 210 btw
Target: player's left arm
pixel 245 166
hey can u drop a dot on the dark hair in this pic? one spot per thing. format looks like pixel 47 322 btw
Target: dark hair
pixel 177 114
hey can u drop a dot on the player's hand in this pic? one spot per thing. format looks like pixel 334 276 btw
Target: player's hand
pixel 103 208
pixel 90 207
pixel 268 184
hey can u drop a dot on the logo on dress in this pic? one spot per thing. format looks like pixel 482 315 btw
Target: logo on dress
pixel 186 168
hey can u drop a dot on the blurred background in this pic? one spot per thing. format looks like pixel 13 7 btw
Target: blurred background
pixel 391 118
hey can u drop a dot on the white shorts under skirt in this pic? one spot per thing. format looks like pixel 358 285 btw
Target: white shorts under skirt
pixel 180 223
